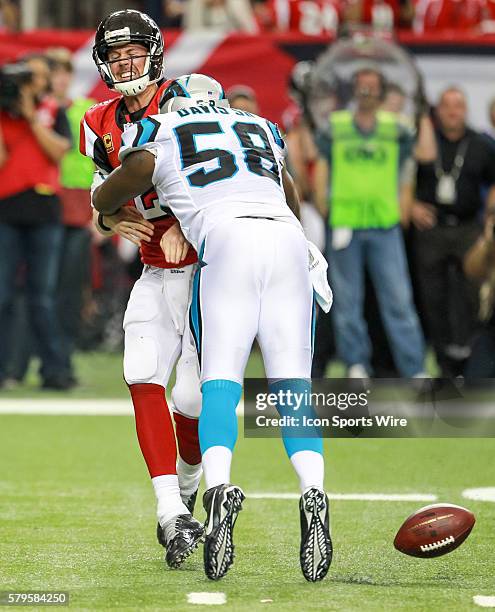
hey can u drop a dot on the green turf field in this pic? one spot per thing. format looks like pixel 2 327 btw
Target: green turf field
pixel 77 514
pixel 100 376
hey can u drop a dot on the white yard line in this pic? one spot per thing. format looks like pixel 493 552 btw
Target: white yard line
pixel 400 497
pixel 69 406
pixel 485 601
pixel 207 599
pixel 486 494
pixel 66 406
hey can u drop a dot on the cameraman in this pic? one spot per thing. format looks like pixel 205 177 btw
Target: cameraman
pixel 34 136
pixel 479 265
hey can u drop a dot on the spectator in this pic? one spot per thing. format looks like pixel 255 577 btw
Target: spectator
pixel 173 13
pixel 488 22
pixel 448 14
pixel 301 158
pixel 34 136
pixel 9 16
pixel 225 15
pixel 479 265
pixel 76 178
pixel 313 17
pixel 361 161
pixel 243 98
pixel 445 219
pixel 394 100
pixel 380 14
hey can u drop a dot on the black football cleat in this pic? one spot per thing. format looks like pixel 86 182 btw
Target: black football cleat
pixel 316 545
pixel 160 535
pixel 180 537
pixel 222 504
pixel 189 501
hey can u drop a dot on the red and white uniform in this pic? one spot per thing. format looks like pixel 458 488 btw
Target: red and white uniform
pixel 101 135
pixel 311 17
pixel 156 334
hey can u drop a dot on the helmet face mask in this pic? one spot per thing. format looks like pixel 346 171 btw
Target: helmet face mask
pixel 193 90
pixel 123 28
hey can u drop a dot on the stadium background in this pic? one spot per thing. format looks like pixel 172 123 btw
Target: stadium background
pixel 76 510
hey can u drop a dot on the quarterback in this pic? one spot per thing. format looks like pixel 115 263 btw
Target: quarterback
pixel 128 52
pixel 221 172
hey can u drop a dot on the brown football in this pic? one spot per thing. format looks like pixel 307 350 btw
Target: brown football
pixel 434 530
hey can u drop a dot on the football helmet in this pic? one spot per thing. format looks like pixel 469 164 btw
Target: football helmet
pixel 125 27
pixel 192 90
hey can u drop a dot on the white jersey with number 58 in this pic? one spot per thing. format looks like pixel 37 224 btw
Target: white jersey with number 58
pixel 213 164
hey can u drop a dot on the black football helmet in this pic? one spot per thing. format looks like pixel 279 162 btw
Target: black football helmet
pixel 124 27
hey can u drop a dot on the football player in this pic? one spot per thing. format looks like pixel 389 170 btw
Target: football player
pixel 128 52
pixel 221 171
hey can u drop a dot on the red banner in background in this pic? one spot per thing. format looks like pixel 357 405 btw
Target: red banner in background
pixel 264 62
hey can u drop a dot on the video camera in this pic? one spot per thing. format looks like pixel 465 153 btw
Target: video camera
pixel 12 78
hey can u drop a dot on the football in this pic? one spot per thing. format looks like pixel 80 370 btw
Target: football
pixel 434 530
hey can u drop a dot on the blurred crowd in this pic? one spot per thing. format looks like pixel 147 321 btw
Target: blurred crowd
pixel 405 211
pixel 317 17
pixel 311 17
pixel 405 215
pixel 54 269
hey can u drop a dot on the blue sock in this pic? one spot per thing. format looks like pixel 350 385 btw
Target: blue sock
pixel 218 421
pixel 303 437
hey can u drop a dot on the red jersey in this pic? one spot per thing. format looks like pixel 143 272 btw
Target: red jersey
pixel 311 17
pixel 101 136
pixel 447 14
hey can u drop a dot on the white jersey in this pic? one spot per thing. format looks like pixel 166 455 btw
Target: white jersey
pixel 213 165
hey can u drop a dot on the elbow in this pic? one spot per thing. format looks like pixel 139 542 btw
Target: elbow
pixel 101 203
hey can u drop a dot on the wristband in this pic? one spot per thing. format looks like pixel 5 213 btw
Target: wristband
pixel 102 225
